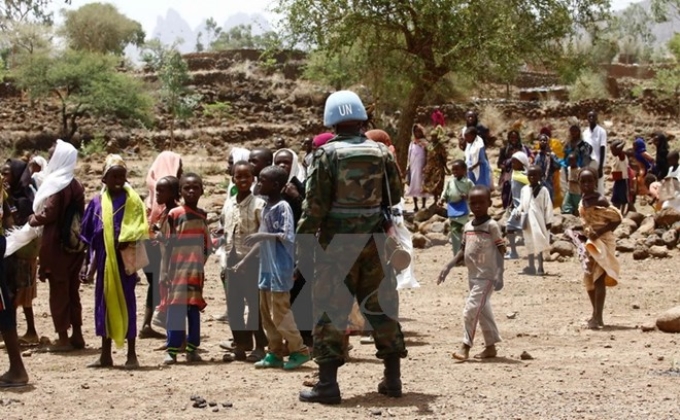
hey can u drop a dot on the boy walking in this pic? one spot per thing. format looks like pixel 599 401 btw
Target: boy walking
pixel 482 250
pixel 275 241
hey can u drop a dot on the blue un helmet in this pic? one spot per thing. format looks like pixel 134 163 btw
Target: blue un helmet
pixel 343 106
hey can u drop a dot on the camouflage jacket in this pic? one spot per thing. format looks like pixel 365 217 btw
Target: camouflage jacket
pixel 318 213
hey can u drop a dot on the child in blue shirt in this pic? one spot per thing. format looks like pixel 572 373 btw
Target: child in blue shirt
pixel 455 194
pixel 275 242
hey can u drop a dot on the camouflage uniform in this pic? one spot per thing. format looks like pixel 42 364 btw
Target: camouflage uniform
pixel 341 208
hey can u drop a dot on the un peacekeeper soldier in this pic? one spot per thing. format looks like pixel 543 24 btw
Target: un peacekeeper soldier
pixel 349 183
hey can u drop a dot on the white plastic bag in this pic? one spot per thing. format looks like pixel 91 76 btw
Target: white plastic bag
pixel 406 279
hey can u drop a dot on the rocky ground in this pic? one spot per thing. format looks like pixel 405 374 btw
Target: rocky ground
pixel 550 365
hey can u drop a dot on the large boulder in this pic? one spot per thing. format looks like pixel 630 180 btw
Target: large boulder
pixel 425 214
pixel 658 251
pixel 665 218
pixel 563 248
pixel 436 224
pixel 420 241
pixel 670 238
pixel 625 245
pixel 669 321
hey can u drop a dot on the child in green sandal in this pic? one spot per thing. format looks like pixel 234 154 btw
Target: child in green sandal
pixel 275 243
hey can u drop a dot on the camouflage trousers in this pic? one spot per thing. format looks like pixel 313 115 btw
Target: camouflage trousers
pixel 356 273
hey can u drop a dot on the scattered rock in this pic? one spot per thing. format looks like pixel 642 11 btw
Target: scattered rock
pixel 666 217
pixel 27 353
pixel 563 248
pixel 557 225
pixel 215 410
pixel 572 222
pixel 420 241
pixel 424 214
pixel 636 306
pixel 636 218
pixel 623 231
pixel 85 386
pixel 437 239
pixel 227 405
pixel 670 238
pixel 511 315
pixel 640 252
pixel 376 412
pixel 654 240
pixel 669 321
pixel 625 245
pixel 526 356
pixel 647 226
pixel 648 328
pixel 212 404
pixel 658 252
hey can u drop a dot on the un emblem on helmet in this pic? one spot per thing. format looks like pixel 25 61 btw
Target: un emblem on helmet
pixel 343 106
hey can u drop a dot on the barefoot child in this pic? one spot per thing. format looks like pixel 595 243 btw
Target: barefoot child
pixel 241 217
pixel 600 219
pixel 455 195
pixel 536 212
pixel 482 250
pixel 275 242
pixel 113 221
pixel 573 196
pixel 620 191
pixel 188 248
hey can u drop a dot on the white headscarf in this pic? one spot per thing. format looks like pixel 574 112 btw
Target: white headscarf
pixel 522 158
pixel 239 154
pixel 38 176
pixel 59 173
pixel 296 170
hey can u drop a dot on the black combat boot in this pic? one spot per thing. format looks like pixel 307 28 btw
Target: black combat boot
pixel 391 383
pixel 326 391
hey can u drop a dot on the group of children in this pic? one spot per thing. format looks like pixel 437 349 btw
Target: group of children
pixel 115 227
pixel 480 245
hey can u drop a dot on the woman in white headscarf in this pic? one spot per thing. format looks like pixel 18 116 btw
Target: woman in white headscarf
pixel 37 166
pixel 60 195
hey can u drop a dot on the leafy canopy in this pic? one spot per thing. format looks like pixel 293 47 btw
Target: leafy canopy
pixel 100 27
pixel 85 83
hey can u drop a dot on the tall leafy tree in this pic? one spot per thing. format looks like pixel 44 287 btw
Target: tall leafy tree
pixel 84 83
pixel 100 27
pixel 425 40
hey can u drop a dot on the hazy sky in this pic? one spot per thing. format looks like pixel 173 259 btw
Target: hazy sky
pixel 195 11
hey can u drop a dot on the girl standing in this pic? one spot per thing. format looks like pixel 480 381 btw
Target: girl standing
pixel 536 210
pixel 435 170
pixel 520 166
pixel 513 145
pixel 114 223
pixel 479 170
pixel 417 157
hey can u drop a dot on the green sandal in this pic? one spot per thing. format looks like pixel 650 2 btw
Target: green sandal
pixel 269 361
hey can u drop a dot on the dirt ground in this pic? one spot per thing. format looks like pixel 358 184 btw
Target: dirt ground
pixel 618 372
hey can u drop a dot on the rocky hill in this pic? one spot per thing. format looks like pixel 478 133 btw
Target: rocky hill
pixel 269 101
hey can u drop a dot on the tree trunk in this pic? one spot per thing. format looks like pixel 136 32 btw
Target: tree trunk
pixel 406 120
pixel 64 121
pixel 172 133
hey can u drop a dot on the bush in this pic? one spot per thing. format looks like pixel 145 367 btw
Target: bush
pixel 96 146
pixel 589 85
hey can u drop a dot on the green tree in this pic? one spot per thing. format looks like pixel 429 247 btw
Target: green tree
pixel 173 74
pixel 100 27
pixel 241 36
pixel 426 40
pixel 85 84
pixel 667 78
pixel 13 11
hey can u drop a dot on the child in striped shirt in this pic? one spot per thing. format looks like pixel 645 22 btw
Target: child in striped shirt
pixel 187 250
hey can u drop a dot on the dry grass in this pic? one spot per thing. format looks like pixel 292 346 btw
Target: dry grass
pixel 494 119
pixel 590 85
